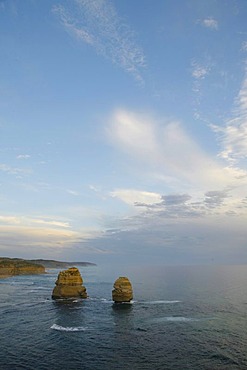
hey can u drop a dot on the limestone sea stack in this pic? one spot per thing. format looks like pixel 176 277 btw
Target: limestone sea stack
pixel 122 291
pixel 69 284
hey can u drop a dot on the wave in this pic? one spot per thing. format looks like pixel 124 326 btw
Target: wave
pixel 161 302
pixel 68 328
pixel 27 283
pixel 179 319
pixel 35 290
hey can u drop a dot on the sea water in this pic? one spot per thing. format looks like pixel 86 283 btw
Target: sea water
pixel 180 318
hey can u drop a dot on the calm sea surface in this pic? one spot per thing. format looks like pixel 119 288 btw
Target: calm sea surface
pixel 181 318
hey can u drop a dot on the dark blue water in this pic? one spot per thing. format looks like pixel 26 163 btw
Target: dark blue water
pixel 181 318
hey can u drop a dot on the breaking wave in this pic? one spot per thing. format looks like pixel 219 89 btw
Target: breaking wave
pixel 179 319
pixel 161 302
pixel 68 328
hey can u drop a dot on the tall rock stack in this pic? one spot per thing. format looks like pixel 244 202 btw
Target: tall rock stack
pixel 69 284
pixel 122 291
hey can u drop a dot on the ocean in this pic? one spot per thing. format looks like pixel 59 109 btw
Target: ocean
pixel 183 317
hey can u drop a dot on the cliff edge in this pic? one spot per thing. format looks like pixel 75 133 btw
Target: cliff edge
pixel 18 266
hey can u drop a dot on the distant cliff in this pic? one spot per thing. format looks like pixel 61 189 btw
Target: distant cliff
pixel 60 264
pixel 18 266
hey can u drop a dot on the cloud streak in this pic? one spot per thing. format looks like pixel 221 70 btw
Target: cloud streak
pixel 165 147
pixel 233 137
pixel 14 170
pixel 96 23
pixel 42 237
pixel 199 71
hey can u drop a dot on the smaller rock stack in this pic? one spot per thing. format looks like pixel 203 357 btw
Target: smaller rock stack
pixel 69 285
pixel 122 291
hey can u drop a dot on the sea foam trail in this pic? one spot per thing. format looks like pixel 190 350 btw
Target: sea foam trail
pixel 161 302
pixel 68 328
pixel 178 319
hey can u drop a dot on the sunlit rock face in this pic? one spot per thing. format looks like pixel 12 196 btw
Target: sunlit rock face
pixel 69 284
pixel 122 291
pixel 17 266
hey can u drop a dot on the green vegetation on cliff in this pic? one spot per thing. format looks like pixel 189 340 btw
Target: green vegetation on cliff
pixel 60 264
pixel 18 266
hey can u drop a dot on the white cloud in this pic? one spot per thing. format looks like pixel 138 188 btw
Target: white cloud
pixel 10 220
pixel 23 156
pixel 14 170
pixel 210 22
pixel 97 23
pixel 244 46
pixel 233 137
pixel 30 221
pixel 131 196
pixel 73 192
pixel 43 237
pixel 166 148
pixel 19 236
pixel 199 71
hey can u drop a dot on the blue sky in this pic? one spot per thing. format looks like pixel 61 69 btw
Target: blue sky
pixel 123 130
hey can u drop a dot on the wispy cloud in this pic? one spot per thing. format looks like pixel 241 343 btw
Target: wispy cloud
pixel 42 236
pixel 244 46
pixel 165 147
pixel 132 196
pixel 14 170
pixel 188 206
pixel 23 156
pixel 72 192
pixel 210 23
pixel 97 23
pixel 30 221
pixel 189 239
pixel 233 137
pixel 199 71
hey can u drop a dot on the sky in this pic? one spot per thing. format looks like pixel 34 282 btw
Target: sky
pixel 123 131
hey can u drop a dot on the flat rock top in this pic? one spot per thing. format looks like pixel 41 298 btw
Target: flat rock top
pixel 122 291
pixel 71 276
pixel 69 284
pixel 122 281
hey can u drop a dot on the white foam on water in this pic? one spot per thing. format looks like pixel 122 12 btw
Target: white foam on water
pixel 180 319
pixel 22 283
pixel 123 303
pixel 37 290
pixel 68 328
pixel 103 300
pixel 161 302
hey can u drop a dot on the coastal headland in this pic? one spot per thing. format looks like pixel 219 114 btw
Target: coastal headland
pixel 19 266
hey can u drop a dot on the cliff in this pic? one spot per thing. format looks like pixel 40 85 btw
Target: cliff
pixel 69 284
pixel 17 266
pixel 60 264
